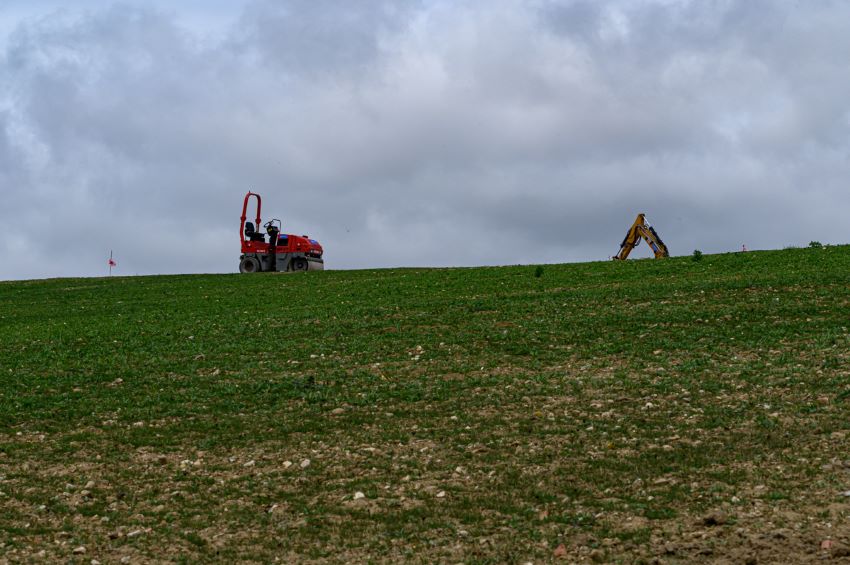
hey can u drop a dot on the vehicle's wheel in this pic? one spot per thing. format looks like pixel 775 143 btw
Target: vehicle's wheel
pixel 249 265
pixel 299 264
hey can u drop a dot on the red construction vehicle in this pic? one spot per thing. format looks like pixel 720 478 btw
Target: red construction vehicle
pixel 290 253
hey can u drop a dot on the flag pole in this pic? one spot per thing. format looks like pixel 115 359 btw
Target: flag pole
pixel 110 263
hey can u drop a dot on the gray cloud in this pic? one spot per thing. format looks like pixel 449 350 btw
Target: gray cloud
pixel 440 133
pixel 310 37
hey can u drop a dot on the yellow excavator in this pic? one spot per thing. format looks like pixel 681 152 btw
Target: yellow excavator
pixel 641 229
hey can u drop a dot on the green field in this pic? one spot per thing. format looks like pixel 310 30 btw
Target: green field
pixel 671 411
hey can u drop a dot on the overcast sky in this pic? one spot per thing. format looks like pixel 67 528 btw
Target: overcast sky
pixel 417 133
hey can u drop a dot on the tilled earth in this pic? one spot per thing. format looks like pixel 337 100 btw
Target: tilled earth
pixel 477 416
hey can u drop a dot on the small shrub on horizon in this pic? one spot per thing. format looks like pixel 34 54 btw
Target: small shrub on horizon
pixel 697 256
pixel 815 245
pixel 538 271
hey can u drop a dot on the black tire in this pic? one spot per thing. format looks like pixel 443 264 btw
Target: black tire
pixel 249 265
pixel 299 264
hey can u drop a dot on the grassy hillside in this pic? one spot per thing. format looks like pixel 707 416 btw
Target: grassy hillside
pixel 613 412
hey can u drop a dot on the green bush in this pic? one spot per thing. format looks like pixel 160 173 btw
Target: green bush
pixel 815 245
pixel 538 271
pixel 697 256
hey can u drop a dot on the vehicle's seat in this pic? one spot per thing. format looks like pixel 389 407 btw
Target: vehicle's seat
pixel 252 234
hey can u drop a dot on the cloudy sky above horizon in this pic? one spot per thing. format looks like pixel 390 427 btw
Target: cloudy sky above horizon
pixel 417 133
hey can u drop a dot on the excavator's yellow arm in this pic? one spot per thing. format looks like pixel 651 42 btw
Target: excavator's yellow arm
pixel 641 229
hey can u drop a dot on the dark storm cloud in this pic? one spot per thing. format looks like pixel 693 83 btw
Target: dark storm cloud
pixel 437 133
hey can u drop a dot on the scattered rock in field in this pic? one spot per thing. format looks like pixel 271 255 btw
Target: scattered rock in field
pixel 846 494
pixel 250 463
pixel 305 463
pixel 827 544
pixel 79 550
pixel 138 424
pixel 136 533
pixel 200 357
pixel 90 485
pixel 117 382
pixel 338 411
pixel 597 556
pixel 560 552
pixel 125 559
pixel 216 372
pixel 358 495
pixel 715 518
pixel 287 464
pixel 441 494
pixel 94 562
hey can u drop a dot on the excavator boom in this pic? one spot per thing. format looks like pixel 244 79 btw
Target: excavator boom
pixel 641 229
